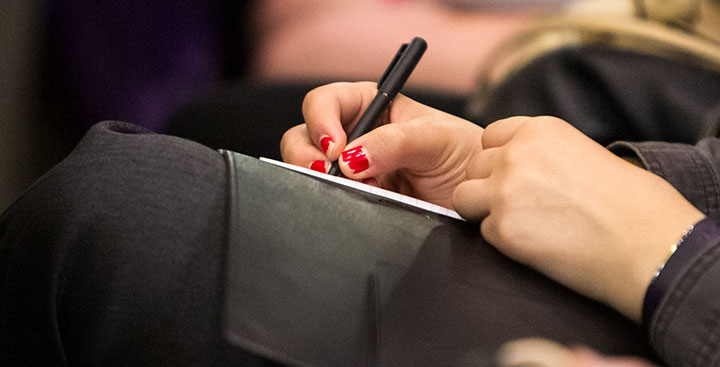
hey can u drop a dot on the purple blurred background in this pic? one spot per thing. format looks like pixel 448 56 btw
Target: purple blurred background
pixel 139 60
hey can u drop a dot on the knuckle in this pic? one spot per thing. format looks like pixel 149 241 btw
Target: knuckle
pixel 514 157
pixel 490 130
pixel 318 94
pixel 291 139
pixel 537 124
pixel 506 229
pixel 545 124
pixel 502 228
pixel 284 149
pixel 309 98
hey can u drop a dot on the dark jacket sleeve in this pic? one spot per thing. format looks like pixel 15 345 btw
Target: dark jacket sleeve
pixel 685 327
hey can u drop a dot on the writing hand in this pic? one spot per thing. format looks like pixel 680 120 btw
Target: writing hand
pixel 417 150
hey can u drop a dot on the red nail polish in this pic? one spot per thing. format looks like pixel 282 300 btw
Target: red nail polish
pixel 356 159
pixel 319 166
pixel 325 143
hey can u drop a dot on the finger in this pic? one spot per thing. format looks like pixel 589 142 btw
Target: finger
pixel 421 146
pixel 481 165
pixel 501 132
pixel 332 109
pixel 546 353
pixel 297 148
pixel 472 199
pixel 488 229
pixel 535 352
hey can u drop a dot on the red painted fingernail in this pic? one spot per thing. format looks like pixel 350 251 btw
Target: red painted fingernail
pixel 325 143
pixel 356 159
pixel 319 166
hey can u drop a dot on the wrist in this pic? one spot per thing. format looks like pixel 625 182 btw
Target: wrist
pixel 702 238
pixel 648 256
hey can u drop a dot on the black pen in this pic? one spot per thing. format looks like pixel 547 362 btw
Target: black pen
pixel 390 83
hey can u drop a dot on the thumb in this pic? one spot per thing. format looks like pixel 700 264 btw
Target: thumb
pixel 418 145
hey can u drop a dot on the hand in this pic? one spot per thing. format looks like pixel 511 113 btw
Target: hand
pixel 545 353
pixel 418 150
pixel 550 197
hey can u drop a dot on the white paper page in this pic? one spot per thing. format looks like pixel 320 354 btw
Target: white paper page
pixel 370 189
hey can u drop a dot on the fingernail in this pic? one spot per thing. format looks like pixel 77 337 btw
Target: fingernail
pixel 326 143
pixel 319 166
pixel 356 159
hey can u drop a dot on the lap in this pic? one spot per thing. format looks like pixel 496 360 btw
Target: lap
pixel 118 256
pixel 114 256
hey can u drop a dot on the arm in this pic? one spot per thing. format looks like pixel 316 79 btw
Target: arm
pixel 553 199
pixel 682 318
pixel 692 170
pixel 545 194
pixel 681 309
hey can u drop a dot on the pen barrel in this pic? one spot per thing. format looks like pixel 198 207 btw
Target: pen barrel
pixel 371 116
pixel 402 66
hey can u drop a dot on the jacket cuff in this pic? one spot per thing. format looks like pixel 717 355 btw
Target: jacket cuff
pixel 683 329
pixel 684 166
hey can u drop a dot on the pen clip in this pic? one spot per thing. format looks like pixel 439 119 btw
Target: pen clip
pixel 390 67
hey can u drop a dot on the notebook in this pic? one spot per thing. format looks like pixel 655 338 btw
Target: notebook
pixel 379 192
pixel 322 275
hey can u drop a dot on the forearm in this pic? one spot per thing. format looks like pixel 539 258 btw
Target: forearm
pixel 692 170
pixel 680 309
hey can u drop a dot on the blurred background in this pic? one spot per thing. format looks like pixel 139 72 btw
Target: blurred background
pixel 212 69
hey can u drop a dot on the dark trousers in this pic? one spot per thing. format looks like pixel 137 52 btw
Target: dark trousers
pixel 147 249
pixel 115 257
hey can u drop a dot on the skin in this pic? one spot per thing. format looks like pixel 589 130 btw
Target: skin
pixel 424 152
pixel 537 352
pixel 553 199
pixel 544 194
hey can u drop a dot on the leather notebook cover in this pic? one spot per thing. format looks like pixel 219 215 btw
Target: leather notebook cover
pixel 320 275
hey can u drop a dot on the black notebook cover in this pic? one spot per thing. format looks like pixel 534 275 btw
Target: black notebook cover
pixel 322 275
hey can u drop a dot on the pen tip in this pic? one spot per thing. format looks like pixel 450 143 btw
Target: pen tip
pixel 334 169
